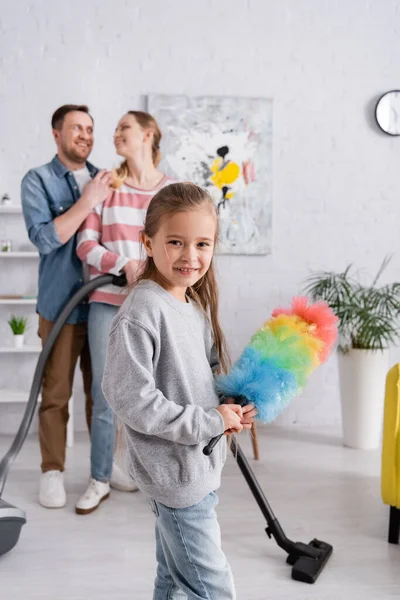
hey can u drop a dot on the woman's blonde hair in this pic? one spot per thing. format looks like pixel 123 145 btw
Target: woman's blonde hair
pixel 145 121
pixel 172 199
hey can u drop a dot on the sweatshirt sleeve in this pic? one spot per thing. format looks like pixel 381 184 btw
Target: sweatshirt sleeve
pixel 129 387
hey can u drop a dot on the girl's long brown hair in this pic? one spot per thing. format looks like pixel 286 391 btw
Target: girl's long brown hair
pixel 172 199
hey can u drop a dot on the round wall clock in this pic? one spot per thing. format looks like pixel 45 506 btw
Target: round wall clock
pixel 387 112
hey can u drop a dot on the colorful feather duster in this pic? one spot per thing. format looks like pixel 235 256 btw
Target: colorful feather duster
pixel 275 366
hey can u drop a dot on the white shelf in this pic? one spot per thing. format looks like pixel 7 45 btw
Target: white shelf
pixel 19 254
pixel 14 396
pixel 24 349
pixel 11 209
pixel 18 301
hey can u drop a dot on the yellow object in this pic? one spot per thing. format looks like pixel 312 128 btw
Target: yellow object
pixel 225 176
pixel 390 476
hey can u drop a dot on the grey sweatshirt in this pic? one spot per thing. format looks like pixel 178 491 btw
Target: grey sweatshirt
pixel 159 381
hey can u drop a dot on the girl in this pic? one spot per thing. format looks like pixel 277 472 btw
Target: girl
pixel 159 380
pixel 108 242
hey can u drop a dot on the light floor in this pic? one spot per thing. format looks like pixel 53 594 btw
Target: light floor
pixel 316 487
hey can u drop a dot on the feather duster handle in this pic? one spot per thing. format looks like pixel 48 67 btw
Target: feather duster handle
pixel 276 364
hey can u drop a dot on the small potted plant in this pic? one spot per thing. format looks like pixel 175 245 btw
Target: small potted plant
pixel 18 327
pixel 368 325
pixel 5 246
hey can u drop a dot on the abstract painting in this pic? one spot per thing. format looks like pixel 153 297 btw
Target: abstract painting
pixel 223 144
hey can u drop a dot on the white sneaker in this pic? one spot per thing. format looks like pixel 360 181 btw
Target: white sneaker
pixel 52 491
pixel 96 493
pixel 122 481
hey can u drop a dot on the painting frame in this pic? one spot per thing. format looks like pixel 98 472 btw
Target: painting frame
pixel 223 144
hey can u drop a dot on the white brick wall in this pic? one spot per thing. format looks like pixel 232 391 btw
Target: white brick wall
pixel 336 177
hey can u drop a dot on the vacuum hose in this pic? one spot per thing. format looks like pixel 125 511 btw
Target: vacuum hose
pixel 26 422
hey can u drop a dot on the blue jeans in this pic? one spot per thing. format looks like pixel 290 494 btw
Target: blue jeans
pixel 190 561
pixel 103 428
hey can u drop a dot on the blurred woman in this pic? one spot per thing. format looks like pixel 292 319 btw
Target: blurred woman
pixel 108 242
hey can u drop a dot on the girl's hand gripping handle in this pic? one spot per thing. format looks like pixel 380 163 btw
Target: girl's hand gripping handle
pixel 232 415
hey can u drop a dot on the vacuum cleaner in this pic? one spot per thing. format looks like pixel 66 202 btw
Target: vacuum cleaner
pixel 307 560
pixel 12 518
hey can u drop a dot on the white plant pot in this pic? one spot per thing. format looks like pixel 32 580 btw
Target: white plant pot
pixel 18 341
pixel 362 376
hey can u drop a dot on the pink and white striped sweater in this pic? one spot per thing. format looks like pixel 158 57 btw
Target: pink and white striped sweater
pixel 109 236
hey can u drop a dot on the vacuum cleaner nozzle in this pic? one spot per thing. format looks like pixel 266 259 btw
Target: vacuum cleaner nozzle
pixel 11 521
pixel 309 561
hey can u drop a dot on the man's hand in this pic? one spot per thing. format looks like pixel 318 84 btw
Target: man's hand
pixel 97 190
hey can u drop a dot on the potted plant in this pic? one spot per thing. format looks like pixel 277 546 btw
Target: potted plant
pixel 18 327
pixel 368 325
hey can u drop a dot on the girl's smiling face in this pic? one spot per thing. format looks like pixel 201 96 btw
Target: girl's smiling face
pixel 183 248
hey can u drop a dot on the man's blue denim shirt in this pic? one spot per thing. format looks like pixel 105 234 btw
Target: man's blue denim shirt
pixel 46 193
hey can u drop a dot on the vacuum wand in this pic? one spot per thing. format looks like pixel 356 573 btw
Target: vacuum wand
pixel 307 560
pixel 207 450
